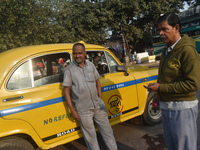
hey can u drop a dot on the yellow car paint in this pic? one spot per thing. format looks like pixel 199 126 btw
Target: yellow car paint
pixel 41 112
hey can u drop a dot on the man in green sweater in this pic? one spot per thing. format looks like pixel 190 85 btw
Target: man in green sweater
pixel 178 81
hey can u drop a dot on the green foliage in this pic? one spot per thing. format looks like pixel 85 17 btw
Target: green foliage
pixel 15 17
pixel 33 22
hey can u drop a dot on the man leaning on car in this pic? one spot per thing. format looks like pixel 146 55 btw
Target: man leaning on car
pixel 85 103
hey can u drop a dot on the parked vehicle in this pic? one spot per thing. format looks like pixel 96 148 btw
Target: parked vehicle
pixel 33 112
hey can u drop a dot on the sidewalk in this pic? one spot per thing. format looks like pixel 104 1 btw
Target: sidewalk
pixel 148 64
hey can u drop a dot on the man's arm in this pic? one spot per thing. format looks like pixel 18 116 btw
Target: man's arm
pixel 75 114
pixel 98 84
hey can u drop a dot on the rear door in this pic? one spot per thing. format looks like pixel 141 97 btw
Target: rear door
pixel 34 93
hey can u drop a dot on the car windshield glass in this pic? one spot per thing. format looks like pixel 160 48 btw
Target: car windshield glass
pixel 111 62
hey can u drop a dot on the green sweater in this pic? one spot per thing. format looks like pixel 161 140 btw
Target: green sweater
pixel 179 72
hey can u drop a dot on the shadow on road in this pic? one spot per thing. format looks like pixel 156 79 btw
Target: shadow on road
pixel 79 144
pixel 155 142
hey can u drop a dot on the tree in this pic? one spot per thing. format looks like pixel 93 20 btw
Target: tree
pixel 31 22
pixel 89 21
pixel 25 22
pixel 15 18
pixel 134 19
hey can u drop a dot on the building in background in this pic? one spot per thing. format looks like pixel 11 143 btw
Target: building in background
pixel 190 22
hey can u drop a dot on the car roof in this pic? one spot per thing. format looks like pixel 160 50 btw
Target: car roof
pixel 29 50
pixel 9 58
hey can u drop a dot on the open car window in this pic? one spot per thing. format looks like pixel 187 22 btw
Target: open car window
pixel 49 69
pixel 99 60
pixel 103 61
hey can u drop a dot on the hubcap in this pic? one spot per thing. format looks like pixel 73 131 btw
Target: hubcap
pixel 154 113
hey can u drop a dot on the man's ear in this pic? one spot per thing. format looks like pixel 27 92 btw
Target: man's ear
pixel 177 28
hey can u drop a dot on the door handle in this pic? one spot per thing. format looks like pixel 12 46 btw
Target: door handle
pixel 13 98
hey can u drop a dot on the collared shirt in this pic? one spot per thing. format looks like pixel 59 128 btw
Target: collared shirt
pixel 176 105
pixel 82 82
pixel 170 49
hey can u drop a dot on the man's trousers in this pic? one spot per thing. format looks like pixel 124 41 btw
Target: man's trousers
pixel 180 128
pixel 100 117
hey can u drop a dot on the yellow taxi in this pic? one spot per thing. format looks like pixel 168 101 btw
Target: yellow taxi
pixel 33 112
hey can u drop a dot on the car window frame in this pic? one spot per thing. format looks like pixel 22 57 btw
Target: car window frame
pixel 29 60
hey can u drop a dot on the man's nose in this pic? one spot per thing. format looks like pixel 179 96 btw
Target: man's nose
pixel 76 55
pixel 160 32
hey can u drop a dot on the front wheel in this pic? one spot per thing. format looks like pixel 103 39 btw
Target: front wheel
pixel 151 115
pixel 15 143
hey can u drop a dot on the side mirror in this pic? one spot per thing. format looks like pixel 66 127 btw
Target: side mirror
pixel 122 69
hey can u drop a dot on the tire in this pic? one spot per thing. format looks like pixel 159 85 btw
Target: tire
pixel 15 143
pixel 150 115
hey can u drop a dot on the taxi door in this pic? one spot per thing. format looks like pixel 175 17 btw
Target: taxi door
pixel 119 91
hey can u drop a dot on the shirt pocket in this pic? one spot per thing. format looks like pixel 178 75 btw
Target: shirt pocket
pixel 90 77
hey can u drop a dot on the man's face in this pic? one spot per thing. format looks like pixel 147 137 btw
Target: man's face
pixel 168 34
pixel 79 54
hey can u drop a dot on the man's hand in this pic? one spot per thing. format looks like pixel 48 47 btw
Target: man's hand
pixel 156 101
pixel 152 86
pixel 75 114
